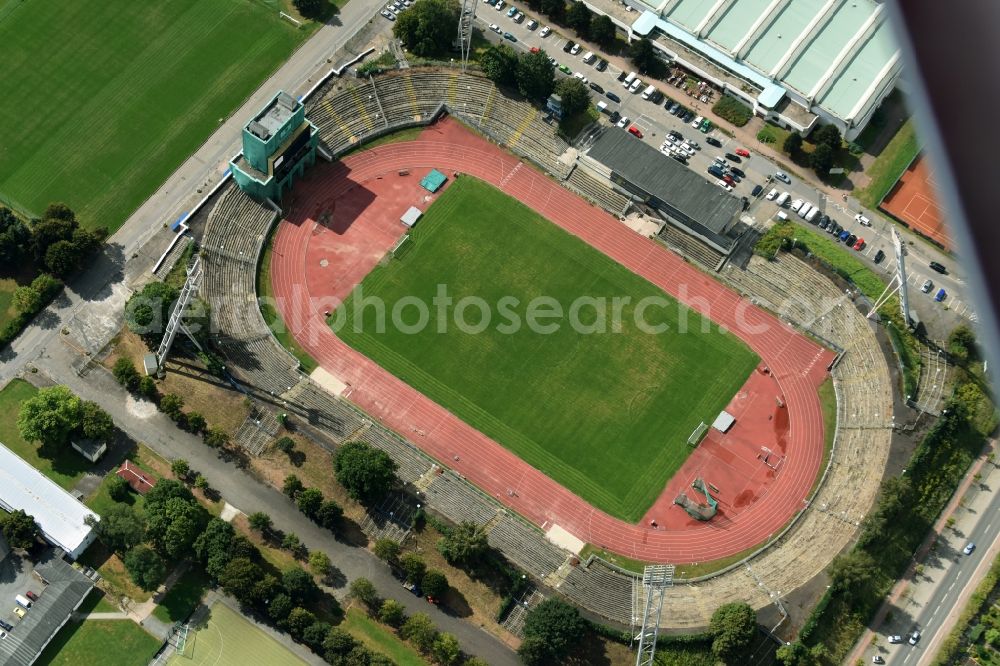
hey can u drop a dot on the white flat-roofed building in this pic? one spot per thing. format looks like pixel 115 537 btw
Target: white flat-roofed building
pixel 59 515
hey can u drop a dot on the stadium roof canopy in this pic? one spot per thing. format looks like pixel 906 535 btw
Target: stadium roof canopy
pixel 666 179
pixel 59 515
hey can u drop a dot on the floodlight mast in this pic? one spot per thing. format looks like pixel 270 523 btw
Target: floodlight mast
pixel 898 283
pixel 465 21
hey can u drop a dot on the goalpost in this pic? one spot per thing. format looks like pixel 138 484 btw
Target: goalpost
pixel 181 646
pixel 697 434
pixel 401 247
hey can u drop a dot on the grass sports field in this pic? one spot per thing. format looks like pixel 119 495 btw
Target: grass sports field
pixel 608 414
pixel 103 100
pixel 230 640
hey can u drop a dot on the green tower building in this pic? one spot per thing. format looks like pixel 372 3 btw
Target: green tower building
pixel 278 144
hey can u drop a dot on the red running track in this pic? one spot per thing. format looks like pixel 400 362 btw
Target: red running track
pixel 360 201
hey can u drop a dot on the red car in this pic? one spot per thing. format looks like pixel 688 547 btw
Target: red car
pixel 860 244
pixel 743 152
pixel 635 131
pixel 31 595
pixel 535 49
pixel 728 179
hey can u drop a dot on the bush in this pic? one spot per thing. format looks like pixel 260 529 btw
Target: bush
pixel 387 550
pixel 733 110
pixel 216 438
pixel 364 591
pixel 434 584
pixel 118 489
pixel 147 388
pixel 413 567
pixel 419 630
pixel 172 405
pixel 196 422
pixel 391 612
pixel 126 374
pixel 285 444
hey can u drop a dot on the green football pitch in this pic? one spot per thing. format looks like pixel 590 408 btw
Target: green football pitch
pixel 228 639
pixel 606 414
pixel 101 101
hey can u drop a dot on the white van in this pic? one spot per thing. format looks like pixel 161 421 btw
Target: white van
pixel 22 601
pixel 781 215
pixel 806 208
pixel 588 57
pixel 629 79
pixel 796 205
pixel 648 91
pixel 773 194
pixel 634 88
pixel 782 199
pixel 811 217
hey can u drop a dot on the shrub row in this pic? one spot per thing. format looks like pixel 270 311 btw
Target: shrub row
pixel 44 289
pixel 733 110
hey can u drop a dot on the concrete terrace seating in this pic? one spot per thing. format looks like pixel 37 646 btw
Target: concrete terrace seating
pixel 688 247
pixel 525 546
pixel 411 461
pixel 599 193
pixel 601 589
pixel 452 495
pixel 173 256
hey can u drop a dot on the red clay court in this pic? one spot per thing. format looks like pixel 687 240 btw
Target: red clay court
pixel 912 200
pixel 344 217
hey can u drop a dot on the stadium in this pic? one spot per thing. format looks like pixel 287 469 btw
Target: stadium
pixel 709 445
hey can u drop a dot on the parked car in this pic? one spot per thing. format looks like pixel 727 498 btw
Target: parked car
pixel 927 286
pixel 724 185
pixel 635 131
pixel 860 244
pixel 877 659
pixel 941 295
pixel 895 638
pixel 601 65
pixel 584 79
pixel 712 141
pixel 31 595
pixel 696 123
pixel 938 267
pixel 622 122
pixel 613 97
pixel 824 222
pixel 689 116
pixel 738 172
pixel 519 18
pixel 783 177
pixel 879 256
pixel 861 219
pixel 6 625
pixel 532 24
pixel 728 179
pixel 969 547
pixel 596 88
pixel 844 235
pixel 568 46
pixel 706 125
pixel 773 194
pixel 511 11
pixel 622 76
pixel 914 637
pixel 757 189
pixel 675 134
pixel 387 14
pixel 575 49
pixel 495 28
pixel 613 118
pixel 733 158
pixel 545 32
pixel 20 612
pixel 509 36
pixel 565 70
pixel 743 152
pixel 500 5
pixel 588 57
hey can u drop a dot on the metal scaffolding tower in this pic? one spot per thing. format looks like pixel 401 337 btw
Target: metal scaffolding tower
pixel 176 321
pixel 898 282
pixel 465 22
pixel 655 581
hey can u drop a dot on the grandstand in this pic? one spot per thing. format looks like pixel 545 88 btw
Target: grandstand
pixel 346 114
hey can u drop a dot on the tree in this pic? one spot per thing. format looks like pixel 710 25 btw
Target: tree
pixel 645 58
pixel 147 312
pixel 309 8
pixel 121 528
pixel 300 585
pixel 364 591
pixel 180 468
pixel 434 584
pixel 216 438
pixel 309 501
pixel 793 654
pixel 464 545
pixel 259 521
pixel 337 644
pixel 238 578
pixel 499 63
pixel 118 488
pixel 200 482
pixel 387 550
pixel 550 629
pixel 291 542
pixel 391 613
pixel 320 562
pixel 285 445
pixel 446 649
pixel 733 627
pixel 365 472
pixel 556 9
pixel 196 422
pixel 419 630
pixel 315 634
pixel 329 514
pixel 602 30
pixel 218 544
pixel 147 388
pixel 578 17
pixel 50 417
pixel 535 77
pixel 145 567
pixel 853 574
pixel 175 519
pixel 126 374
pixel 793 144
pixel 413 567
pixel 574 94
pixel 15 239
pixel 172 405
pixel 821 159
pixel 428 27
pixel 962 344
pixel 26 300
pixel 279 607
pixel 48 231
pixel 828 135
pixel 298 621
pixel 96 424
pixel 292 486
pixel 19 529
pixel 64 257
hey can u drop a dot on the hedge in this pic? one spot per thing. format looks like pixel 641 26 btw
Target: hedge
pixel 733 110
pixel 50 288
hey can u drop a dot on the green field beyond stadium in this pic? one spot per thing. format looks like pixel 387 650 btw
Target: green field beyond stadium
pixel 605 414
pixel 102 101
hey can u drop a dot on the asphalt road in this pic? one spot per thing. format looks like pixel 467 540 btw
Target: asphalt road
pixel 655 122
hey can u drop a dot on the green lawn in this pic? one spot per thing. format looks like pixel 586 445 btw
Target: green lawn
pixel 890 165
pixel 183 597
pixel 104 642
pixel 605 414
pixel 103 100
pixel 228 639
pixel 380 639
pixel 66 468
